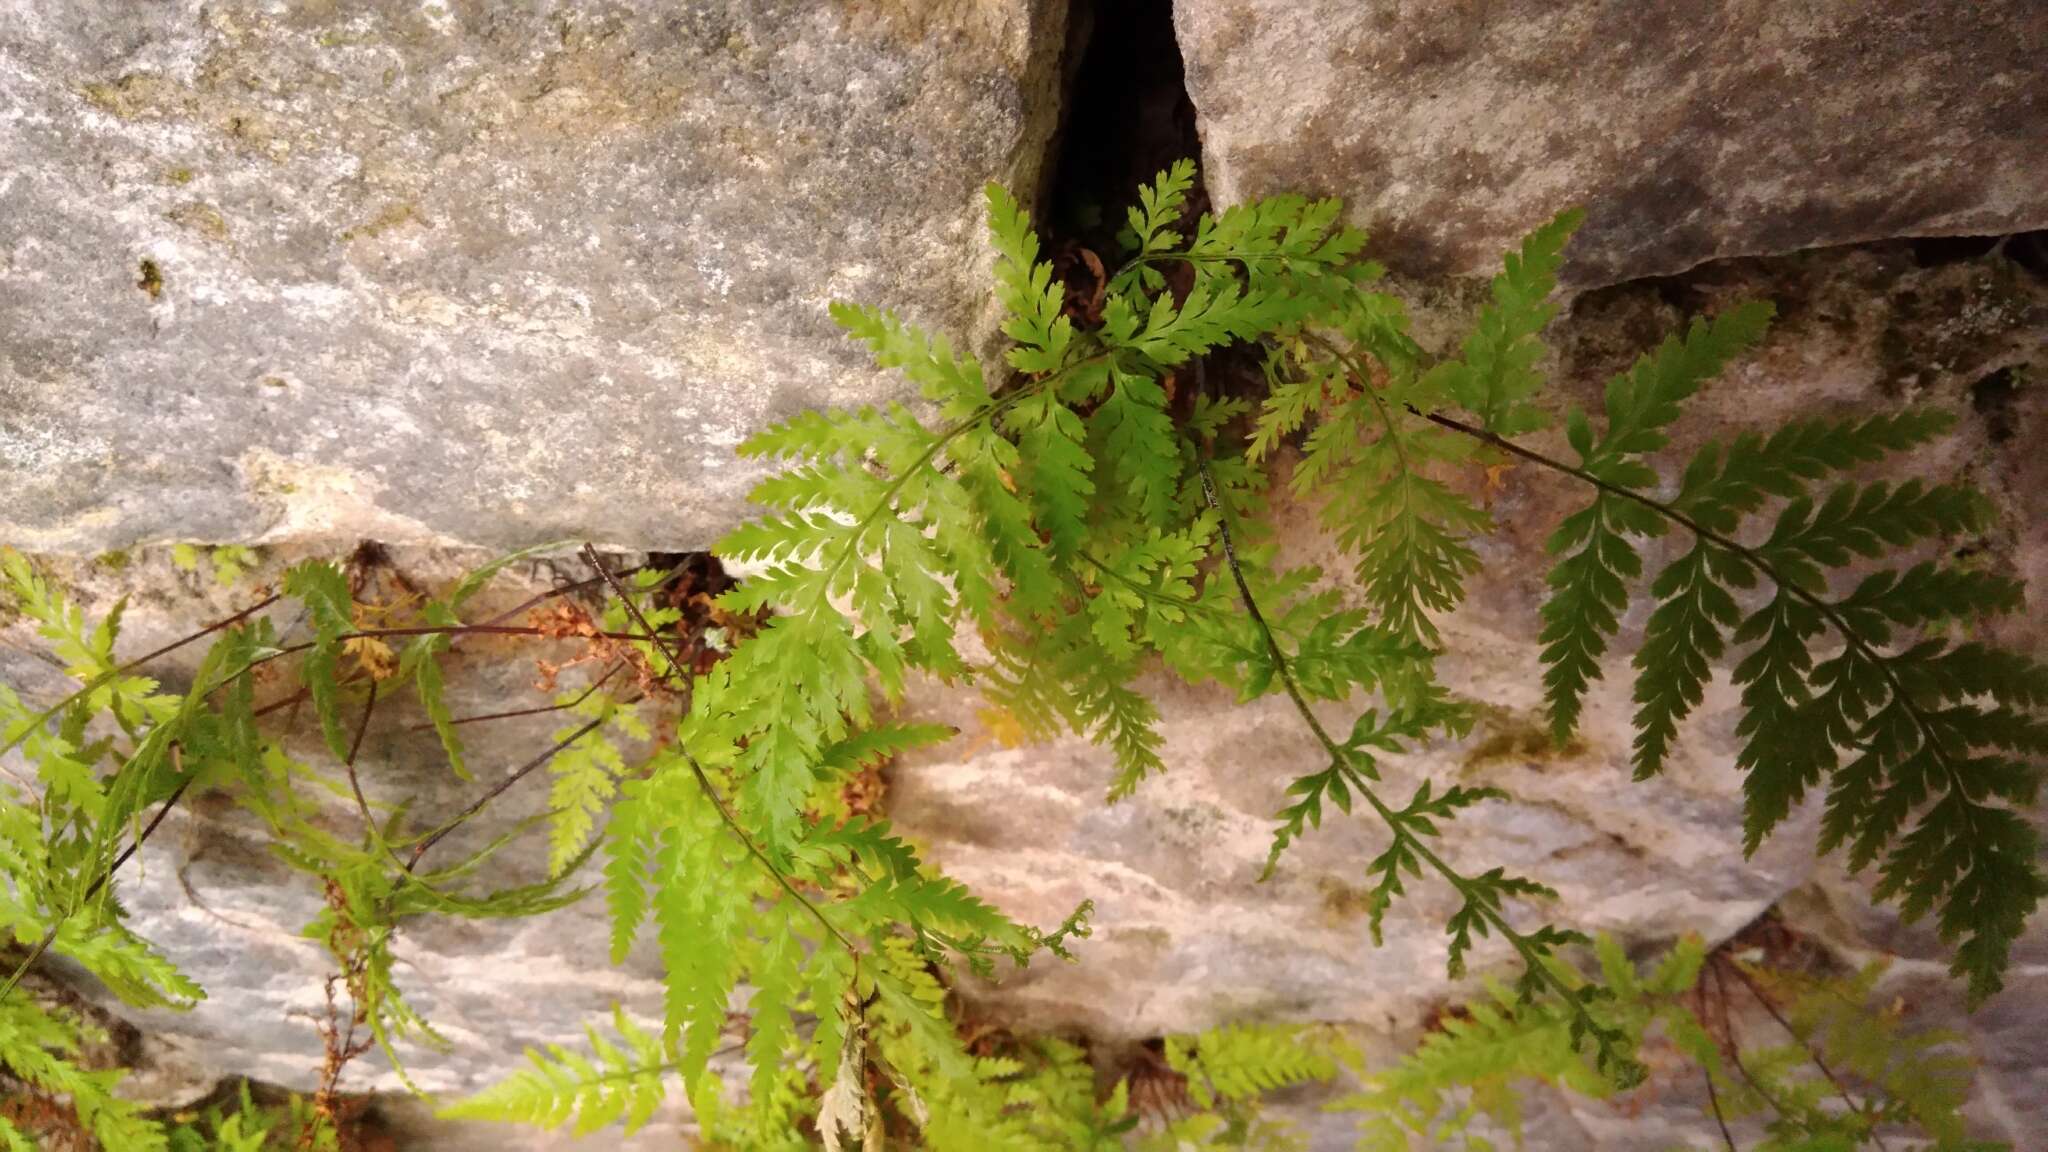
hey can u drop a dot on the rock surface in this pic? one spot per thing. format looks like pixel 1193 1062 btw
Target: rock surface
pixel 475 276
pixel 1185 935
pixel 209 892
pixel 1688 131
pixel 485 273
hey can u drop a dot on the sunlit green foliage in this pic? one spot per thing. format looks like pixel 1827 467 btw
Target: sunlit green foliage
pixel 1052 535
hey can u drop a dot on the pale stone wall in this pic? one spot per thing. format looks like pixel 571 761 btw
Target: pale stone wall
pixel 464 276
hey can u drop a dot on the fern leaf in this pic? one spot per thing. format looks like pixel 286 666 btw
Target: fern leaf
pixel 626 842
pixel 883 743
pixel 1722 484
pixel 1052 438
pixel 623 1082
pixel 1589 584
pixel 1026 289
pixel 1159 207
pixel 1644 400
pixel 1138 442
pixel 38 1048
pixel 324 591
pixel 1589 590
pixel 426 676
pixel 1864 520
pixel 1683 638
pixel 1241 1062
pixel 947 379
pixel 585 777
pixel 1495 374
pixel 702 917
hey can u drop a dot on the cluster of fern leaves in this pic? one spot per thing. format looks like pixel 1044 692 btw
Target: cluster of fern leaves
pixel 1846 1069
pixel 1048 536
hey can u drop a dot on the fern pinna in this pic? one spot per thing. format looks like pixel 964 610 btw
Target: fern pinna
pixel 1048 536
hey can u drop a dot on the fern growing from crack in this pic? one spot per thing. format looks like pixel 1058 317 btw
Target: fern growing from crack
pixel 1094 511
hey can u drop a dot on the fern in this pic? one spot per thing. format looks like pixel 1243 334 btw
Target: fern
pixel 1915 1078
pixel 1236 1064
pixel 1590 583
pixel 619 1082
pixel 1475 1065
pixel 324 591
pixel 1495 374
pixel 39 1047
pixel 1053 537
pixel 1909 739
pixel 586 773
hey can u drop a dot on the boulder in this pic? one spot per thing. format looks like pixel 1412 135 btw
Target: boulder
pixel 484 273
pixel 1688 131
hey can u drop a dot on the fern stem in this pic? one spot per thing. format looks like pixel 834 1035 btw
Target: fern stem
pixel 1493 914
pixel 348 763
pixel 1812 1053
pixel 537 711
pixel 1855 1105
pixel 1714 1101
pixel 732 824
pixel 1734 1046
pixel 569 590
pixel 499 789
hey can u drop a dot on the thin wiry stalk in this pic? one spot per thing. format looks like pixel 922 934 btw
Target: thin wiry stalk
pixel 1531 957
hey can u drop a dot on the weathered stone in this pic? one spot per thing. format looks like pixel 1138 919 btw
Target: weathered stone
pixel 1187 936
pixel 472 272
pixel 1688 131
pixel 208 892
pixel 450 273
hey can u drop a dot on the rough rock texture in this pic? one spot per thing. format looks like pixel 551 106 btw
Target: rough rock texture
pixel 1185 936
pixel 1689 131
pixel 474 274
pixel 491 273
pixel 209 892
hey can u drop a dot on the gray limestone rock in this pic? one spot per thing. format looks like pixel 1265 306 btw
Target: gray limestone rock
pixel 476 272
pixel 1688 131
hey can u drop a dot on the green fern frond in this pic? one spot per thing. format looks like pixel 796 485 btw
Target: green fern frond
pixel 1495 373
pixel 329 607
pixel 1053 440
pixel 38 1048
pixel 1150 220
pixel 1474 1065
pixel 1724 483
pixel 1911 745
pixel 1589 584
pixel 1026 289
pixel 628 836
pixel 702 917
pixel 1137 445
pixel 619 1081
pixel 586 773
pixel 1236 1063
